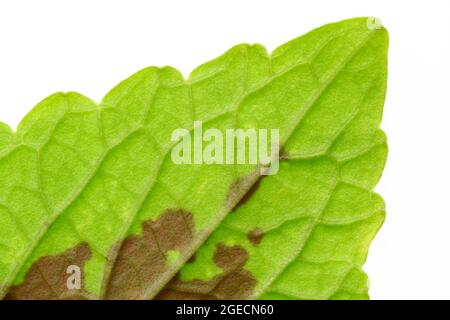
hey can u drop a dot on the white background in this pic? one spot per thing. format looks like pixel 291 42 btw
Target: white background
pixel 89 46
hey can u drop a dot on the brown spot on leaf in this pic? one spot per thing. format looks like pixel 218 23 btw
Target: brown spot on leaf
pixel 245 187
pixel 249 194
pixel 192 259
pixel 242 190
pixel 283 154
pixel 142 259
pixel 47 277
pixel 255 236
pixel 234 283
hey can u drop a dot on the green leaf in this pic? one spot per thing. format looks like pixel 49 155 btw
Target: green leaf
pixel 94 185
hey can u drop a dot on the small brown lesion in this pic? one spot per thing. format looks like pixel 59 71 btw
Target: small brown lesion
pixel 255 236
pixel 284 156
pixel 247 196
pixel 234 283
pixel 47 277
pixel 192 259
pixel 242 190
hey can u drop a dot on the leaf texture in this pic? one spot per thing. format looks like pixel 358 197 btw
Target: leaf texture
pixel 94 185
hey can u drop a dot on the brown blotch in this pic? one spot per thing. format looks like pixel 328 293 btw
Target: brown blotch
pixel 47 277
pixel 255 236
pixel 234 283
pixel 142 259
